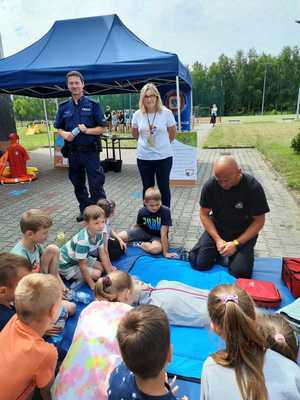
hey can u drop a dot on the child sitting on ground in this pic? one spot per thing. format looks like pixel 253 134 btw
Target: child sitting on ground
pixel 35 225
pixel 26 360
pixel 152 226
pixel 75 261
pixel 246 369
pixel 116 247
pixel 144 340
pixel 280 335
pixel 12 269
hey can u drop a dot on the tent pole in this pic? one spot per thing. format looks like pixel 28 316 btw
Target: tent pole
pixel 48 129
pixel 178 103
pixel 192 114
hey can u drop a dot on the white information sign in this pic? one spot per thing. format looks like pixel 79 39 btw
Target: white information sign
pixel 184 162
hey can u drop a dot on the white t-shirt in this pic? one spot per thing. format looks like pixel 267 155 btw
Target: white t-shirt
pixel 282 377
pixel 154 146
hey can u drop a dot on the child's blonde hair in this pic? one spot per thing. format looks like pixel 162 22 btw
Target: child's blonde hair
pixel 109 287
pixel 153 88
pixel 34 220
pixel 35 295
pixel 280 335
pixel 152 193
pixel 232 313
pixel 93 212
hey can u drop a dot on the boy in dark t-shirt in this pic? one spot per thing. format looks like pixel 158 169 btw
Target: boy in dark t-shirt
pixel 232 211
pixel 152 226
pixel 12 269
pixel 144 341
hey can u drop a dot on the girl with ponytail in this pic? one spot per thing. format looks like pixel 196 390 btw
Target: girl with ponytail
pixel 245 369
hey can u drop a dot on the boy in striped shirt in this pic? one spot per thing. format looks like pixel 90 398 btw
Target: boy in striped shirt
pixel 75 261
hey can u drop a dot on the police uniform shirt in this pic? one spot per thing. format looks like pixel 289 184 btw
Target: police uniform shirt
pixel 87 112
pixel 233 209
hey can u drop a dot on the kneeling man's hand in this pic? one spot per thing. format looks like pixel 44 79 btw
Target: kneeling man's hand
pixel 220 245
pixel 228 249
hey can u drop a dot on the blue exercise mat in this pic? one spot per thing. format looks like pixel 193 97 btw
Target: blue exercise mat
pixel 191 345
pixel 188 355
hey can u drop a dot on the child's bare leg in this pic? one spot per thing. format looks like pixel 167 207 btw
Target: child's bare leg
pixel 49 263
pixel 71 307
pixel 154 247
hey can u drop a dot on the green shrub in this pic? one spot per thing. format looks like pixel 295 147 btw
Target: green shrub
pixel 295 143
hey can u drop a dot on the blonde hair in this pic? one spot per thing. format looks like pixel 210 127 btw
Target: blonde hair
pixel 34 220
pixel 93 212
pixel 232 311
pixel 35 295
pixel 280 335
pixel 153 88
pixel 110 286
pixel 152 193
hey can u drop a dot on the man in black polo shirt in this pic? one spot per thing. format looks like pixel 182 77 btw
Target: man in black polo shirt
pixel 232 210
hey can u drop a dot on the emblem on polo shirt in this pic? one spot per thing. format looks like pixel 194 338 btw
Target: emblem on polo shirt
pixel 239 205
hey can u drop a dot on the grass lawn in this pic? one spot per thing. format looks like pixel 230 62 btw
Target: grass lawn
pixel 272 139
pixel 31 142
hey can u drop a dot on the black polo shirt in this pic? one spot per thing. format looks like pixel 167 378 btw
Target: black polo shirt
pixel 233 209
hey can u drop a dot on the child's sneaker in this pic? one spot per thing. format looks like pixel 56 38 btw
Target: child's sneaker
pixel 184 255
pixel 136 244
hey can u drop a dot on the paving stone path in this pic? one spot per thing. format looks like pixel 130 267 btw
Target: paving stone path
pixel 53 192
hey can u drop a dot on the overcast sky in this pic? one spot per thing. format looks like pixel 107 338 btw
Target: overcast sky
pixel 197 30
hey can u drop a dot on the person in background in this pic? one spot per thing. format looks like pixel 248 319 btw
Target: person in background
pixel 245 369
pixel 107 115
pixel 154 127
pixel 80 122
pixel 213 114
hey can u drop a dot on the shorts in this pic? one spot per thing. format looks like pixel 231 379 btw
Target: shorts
pixel 73 271
pixel 138 234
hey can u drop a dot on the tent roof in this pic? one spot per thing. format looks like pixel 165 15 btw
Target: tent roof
pixel 111 58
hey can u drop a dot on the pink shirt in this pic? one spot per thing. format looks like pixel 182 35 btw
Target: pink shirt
pixel 93 354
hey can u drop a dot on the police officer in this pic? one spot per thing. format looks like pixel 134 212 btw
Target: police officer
pixel 80 121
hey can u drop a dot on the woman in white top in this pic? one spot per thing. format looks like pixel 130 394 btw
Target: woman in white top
pixel 154 126
pixel 246 369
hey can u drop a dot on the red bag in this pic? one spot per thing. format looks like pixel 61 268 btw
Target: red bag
pixel 265 294
pixel 290 274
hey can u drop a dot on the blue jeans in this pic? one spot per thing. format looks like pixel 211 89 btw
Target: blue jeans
pixel 80 165
pixel 159 169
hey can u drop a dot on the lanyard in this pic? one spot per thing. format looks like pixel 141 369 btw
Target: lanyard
pixel 151 125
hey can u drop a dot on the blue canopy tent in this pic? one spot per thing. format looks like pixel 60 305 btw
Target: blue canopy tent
pixel 111 58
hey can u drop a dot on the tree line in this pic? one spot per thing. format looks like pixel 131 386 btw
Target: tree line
pixel 235 84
